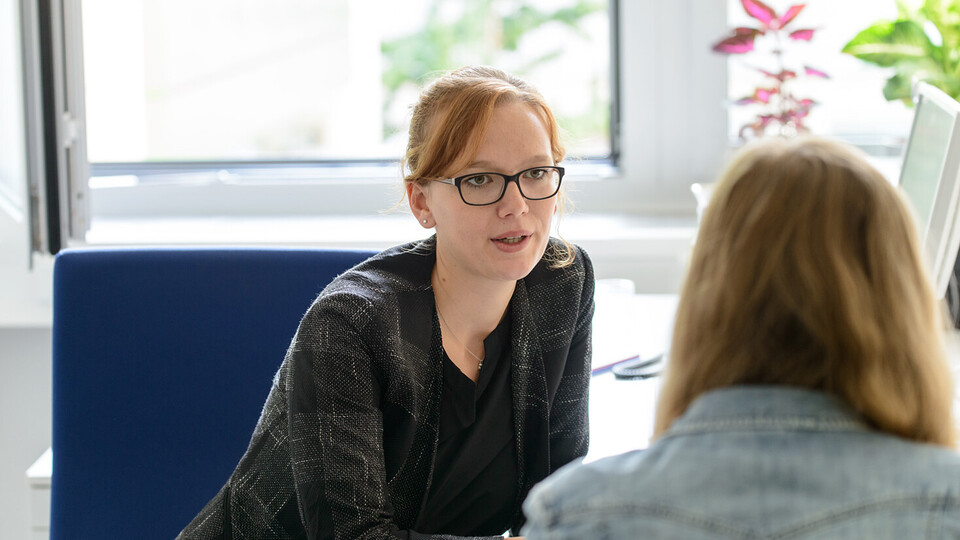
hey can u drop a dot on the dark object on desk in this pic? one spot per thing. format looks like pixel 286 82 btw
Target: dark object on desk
pixel 639 368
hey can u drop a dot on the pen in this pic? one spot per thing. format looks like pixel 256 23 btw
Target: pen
pixel 605 368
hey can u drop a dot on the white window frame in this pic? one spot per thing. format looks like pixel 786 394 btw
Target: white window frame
pixel 57 167
pixel 672 127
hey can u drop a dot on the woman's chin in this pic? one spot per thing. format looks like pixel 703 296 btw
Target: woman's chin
pixel 517 267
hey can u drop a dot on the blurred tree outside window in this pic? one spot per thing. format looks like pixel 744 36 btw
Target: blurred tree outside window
pixel 332 80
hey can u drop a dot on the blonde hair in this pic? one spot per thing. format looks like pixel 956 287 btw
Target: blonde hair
pixel 807 273
pixel 451 117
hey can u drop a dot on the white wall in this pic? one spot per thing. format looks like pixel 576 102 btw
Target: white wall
pixel 25 419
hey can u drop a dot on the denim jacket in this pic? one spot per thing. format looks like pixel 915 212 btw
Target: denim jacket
pixel 753 462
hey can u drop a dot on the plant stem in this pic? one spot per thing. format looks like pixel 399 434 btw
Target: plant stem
pixel 781 99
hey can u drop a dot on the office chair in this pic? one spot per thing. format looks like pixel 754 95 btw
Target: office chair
pixel 162 360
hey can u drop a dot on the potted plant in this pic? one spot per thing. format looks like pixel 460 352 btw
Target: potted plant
pixel 923 44
pixel 781 110
pixel 780 107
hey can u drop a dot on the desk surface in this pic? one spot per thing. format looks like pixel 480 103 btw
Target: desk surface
pixel 622 411
pixel 625 324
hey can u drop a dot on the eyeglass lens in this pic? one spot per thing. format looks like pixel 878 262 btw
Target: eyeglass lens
pixel 487 188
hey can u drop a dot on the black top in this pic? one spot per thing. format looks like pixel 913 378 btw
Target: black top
pixel 474 483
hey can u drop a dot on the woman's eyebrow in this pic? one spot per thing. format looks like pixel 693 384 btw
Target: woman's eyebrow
pixel 533 161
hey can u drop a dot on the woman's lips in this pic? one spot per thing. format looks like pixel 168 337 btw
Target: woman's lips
pixel 512 242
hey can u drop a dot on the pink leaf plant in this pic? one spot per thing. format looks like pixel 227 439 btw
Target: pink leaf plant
pixel 781 108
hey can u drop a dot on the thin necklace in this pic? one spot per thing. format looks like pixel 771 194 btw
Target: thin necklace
pixel 462 344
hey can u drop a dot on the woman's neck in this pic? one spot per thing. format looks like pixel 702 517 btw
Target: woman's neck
pixel 469 310
pixel 472 307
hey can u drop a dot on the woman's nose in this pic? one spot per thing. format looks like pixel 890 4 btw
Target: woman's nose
pixel 513 202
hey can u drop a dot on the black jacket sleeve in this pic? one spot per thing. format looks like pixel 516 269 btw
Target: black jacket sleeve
pixel 569 418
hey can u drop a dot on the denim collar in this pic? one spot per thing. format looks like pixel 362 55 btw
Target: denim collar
pixel 766 408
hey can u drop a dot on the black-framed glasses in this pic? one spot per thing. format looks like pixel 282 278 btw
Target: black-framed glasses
pixel 481 189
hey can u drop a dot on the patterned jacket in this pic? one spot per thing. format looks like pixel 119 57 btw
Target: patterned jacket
pixel 346 442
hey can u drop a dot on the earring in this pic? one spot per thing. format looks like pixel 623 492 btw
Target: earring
pixel 424 221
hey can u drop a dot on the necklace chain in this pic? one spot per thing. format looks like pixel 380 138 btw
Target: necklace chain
pixel 462 344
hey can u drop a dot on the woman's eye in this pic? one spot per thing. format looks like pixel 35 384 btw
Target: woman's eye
pixel 536 174
pixel 479 180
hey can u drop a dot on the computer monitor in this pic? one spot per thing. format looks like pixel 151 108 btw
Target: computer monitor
pixel 930 179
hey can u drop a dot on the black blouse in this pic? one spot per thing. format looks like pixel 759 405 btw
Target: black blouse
pixel 474 486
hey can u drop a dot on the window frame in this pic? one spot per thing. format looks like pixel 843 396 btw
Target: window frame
pixel 665 80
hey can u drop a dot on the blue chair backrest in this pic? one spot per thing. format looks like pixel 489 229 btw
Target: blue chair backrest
pixel 162 360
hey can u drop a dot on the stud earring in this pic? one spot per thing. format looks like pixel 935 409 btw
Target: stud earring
pixel 424 221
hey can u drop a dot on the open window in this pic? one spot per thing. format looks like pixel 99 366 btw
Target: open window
pixel 184 108
pixel 636 88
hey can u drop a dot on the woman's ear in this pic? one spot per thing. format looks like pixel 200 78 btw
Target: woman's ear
pixel 419 206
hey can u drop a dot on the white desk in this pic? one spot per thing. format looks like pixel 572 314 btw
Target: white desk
pixel 38 483
pixel 621 412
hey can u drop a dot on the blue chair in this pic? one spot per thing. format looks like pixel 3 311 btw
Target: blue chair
pixel 162 360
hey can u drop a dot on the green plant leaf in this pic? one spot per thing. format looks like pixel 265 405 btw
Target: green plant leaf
pixel 950 84
pixel 890 43
pixel 933 11
pixel 948 24
pixel 899 86
pixel 905 10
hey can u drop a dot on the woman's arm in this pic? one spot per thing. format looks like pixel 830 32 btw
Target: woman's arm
pixel 335 426
pixel 569 418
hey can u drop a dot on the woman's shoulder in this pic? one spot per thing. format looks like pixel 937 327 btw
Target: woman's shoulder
pixel 395 270
pixel 377 285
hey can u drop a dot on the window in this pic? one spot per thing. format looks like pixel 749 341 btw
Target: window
pixel 644 99
pixel 646 78
pixel 319 82
pixel 299 107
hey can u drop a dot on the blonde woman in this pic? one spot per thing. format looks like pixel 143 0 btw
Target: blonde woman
pixel 807 394
pixel 429 388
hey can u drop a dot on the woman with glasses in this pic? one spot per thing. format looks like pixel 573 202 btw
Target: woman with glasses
pixel 430 387
pixel 807 394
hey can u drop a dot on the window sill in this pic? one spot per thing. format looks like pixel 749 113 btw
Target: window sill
pixel 650 250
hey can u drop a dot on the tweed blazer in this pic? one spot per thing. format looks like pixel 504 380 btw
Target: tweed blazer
pixel 347 439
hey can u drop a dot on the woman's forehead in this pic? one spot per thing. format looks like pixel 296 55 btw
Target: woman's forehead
pixel 513 134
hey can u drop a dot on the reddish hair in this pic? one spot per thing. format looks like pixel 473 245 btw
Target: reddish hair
pixel 451 118
pixel 452 115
